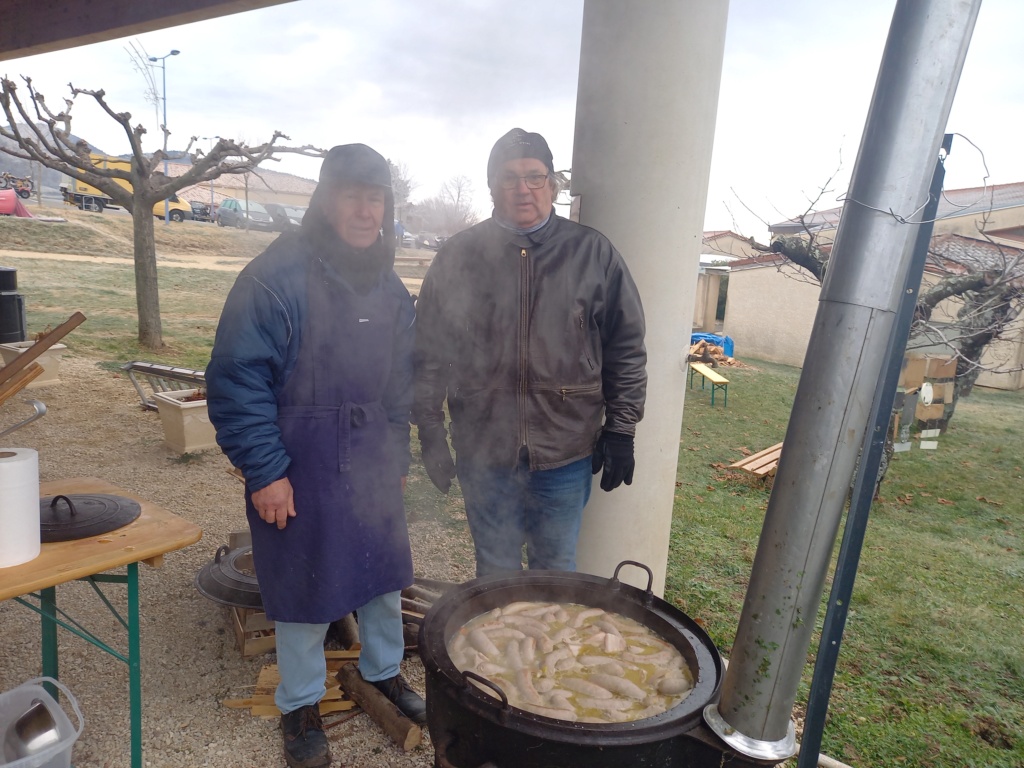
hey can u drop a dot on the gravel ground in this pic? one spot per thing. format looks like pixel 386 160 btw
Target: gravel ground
pixel 96 427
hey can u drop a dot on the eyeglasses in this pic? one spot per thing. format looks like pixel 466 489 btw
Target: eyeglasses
pixel 533 180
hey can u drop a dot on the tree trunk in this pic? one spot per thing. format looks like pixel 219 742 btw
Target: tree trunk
pixel 147 292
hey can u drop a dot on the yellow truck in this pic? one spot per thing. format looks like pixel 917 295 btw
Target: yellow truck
pixel 89 198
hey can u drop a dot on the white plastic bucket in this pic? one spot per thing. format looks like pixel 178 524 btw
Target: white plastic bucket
pixel 17 701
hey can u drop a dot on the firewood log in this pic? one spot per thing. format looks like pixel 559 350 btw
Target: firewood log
pixel 399 728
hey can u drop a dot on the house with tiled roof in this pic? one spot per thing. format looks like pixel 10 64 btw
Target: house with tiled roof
pixel 725 242
pixel 998 210
pixel 771 303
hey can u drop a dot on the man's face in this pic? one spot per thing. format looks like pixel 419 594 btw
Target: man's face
pixel 514 201
pixel 356 212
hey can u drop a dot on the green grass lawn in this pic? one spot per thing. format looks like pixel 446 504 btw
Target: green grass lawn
pixel 931 671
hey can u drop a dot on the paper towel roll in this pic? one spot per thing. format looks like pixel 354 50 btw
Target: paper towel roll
pixel 19 506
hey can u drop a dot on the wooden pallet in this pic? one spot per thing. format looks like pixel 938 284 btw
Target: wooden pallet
pixel 261 703
pixel 763 463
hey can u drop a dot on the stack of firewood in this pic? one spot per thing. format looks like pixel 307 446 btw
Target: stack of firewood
pixel 417 599
pixel 711 354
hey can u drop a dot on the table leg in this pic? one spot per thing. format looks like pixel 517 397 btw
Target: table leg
pixel 48 613
pixel 134 665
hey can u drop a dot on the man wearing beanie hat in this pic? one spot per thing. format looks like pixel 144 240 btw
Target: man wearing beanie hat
pixel 531 328
pixel 309 386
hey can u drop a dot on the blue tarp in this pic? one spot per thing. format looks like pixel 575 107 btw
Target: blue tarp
pixel 725 342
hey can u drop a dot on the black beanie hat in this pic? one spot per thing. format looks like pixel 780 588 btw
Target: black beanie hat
pixel 514 145
pixel 360 164
pixel 355 163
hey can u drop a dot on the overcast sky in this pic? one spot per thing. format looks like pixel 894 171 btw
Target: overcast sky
pixel 432 85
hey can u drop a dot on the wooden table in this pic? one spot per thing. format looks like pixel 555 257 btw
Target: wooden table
pixel 145 540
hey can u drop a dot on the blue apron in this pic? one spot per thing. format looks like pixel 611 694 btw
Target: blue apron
pixel 348 542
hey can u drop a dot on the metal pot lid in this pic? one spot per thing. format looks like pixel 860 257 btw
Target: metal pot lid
pixel 230 579
pixel 80 515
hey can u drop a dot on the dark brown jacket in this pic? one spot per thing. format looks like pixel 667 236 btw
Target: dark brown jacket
pixel 536 340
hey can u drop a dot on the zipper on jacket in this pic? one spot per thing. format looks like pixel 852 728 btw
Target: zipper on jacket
pixel 583 342
pixel 524 331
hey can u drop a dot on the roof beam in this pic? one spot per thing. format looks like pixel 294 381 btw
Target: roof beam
pixel 30 27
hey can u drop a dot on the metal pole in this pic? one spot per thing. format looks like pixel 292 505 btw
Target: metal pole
pixel 211 140
pixel 917 79
pixel 864 487
pixel 163 69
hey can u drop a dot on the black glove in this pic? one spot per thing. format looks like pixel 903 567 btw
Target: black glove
pixel 614 453
pixel 437 459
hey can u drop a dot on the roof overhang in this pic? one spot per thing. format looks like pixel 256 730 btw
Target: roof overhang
pixel 30 27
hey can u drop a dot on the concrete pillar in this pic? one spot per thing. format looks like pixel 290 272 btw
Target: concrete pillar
pixel 645 123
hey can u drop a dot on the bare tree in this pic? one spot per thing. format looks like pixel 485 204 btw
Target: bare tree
pixel 139 57
pixel 983 279
pixel 44 135
pixel 451 209
pixel 402 185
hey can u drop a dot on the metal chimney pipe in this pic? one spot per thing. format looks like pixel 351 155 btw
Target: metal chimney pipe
pixel 917 79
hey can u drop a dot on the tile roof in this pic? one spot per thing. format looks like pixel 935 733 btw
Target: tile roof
pixel 965 254
pixel 947 253
pixel 954 202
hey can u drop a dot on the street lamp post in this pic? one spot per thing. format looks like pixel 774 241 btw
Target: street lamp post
pixel 211 140
pixel 163 68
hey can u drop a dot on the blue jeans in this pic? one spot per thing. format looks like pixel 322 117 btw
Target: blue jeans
pixel 508 508
pixel 300 652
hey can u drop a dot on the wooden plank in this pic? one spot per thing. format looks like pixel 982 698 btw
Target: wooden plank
pixel 761 463
pixel 772 451
pixel 19 381
pixel 31 353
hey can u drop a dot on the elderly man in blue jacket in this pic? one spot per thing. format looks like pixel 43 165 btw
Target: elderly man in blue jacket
pixel 310 386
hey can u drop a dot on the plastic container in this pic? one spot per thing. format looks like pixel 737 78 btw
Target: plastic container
pixel 15 702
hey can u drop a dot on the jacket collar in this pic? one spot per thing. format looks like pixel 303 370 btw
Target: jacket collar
pixel 531 240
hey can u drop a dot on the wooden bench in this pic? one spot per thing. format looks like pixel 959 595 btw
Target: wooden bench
pixel 763 463
pixel 718 381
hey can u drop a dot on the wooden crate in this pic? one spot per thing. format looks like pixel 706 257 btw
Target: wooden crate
pixel 254 633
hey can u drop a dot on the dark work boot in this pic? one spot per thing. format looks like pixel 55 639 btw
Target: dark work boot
pixel 405 698
pixel 305 743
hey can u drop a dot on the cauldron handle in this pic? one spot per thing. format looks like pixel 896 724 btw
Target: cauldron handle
pixel 648 594
pixel 222 550
pixel 467 675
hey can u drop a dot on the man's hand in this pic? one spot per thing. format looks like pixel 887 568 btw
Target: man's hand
pixel 275 503
pixel 614 454
pixel 437 458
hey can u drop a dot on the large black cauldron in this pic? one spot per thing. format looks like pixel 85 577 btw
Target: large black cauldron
pixel 471 729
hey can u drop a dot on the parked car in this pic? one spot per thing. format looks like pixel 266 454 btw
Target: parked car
pixel 433 242
pixel 201 211
pixel 233 213
pixel 285 217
